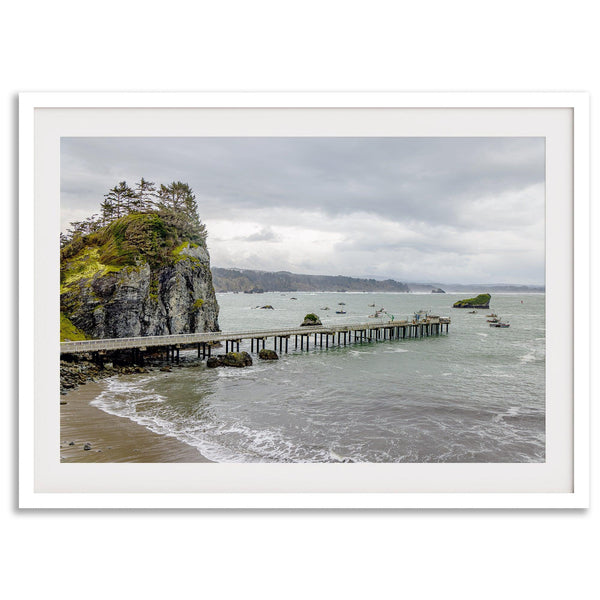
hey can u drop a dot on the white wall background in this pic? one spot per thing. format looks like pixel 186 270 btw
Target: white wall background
pixel 315 46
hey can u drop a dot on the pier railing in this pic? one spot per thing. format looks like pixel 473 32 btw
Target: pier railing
pixel 428 326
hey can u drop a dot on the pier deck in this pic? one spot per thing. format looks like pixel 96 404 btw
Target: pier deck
pixel 324 336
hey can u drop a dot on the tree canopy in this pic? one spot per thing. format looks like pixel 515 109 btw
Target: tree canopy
pixel 174 203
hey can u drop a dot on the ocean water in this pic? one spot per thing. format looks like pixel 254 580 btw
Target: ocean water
pixel 476 394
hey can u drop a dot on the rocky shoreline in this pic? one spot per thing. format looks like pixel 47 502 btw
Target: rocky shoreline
pixel 81 370
pixel 76 373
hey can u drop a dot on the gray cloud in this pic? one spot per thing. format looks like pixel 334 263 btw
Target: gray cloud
pixel 414 198
pixel 266 234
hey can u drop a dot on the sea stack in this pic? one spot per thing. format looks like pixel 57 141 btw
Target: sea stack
pixel 311 320
pixel 481 301
pixel 142 274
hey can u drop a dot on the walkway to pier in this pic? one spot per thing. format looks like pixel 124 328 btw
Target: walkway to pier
pixel 322 336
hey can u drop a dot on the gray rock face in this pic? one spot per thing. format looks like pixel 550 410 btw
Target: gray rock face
pixel 137 301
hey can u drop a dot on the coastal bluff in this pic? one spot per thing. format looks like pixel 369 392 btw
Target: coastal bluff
pixel 481 301
pixel 140 275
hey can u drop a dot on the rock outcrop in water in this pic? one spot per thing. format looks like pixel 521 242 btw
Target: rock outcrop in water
pixel 231 359
pixel 481 301
pixel 311 320
pixel 138 276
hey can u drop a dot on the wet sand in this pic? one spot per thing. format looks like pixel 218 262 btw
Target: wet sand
pixel 113 439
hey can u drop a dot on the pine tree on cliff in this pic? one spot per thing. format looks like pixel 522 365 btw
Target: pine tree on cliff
pixel 178 203
pixel 145 194
pixel 119 198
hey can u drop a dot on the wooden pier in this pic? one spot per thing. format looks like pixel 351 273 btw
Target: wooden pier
pixel 320 336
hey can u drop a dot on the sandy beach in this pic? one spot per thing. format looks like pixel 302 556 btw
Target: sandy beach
pixel 113 439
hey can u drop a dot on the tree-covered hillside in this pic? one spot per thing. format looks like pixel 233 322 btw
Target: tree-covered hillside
pixel 244 280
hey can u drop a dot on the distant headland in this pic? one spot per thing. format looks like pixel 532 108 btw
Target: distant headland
pixel 255 282
pixel 249 281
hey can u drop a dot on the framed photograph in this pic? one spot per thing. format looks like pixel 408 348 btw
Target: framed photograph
pixel 304 300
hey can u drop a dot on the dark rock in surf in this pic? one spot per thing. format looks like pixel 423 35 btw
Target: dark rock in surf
pixel 231 359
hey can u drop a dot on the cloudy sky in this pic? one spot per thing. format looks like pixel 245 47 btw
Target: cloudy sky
pixel 455 210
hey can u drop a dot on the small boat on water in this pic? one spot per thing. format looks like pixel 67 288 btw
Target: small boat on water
pixel 372 305
pixel 324 308
pixel 500 324
pixel 340 312
pixel 472 312
pixel 493 315
pixel 342 303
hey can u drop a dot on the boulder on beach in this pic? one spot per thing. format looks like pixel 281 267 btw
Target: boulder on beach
pixel 267 354
pixel 311 320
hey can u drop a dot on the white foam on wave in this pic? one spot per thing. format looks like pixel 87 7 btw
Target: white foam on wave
pixel 512 411
pixel 526 358
pixel 219 442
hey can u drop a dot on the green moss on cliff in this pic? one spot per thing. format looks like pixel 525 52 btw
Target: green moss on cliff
pixel 68 331
pixel 199 303
pixel 124 243
pixel 179 255
pixel 84 266
pixel 137 236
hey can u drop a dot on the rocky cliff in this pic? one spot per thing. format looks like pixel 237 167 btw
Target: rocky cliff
pixel 136 277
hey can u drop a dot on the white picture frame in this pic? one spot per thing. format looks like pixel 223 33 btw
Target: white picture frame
pixel 561 482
